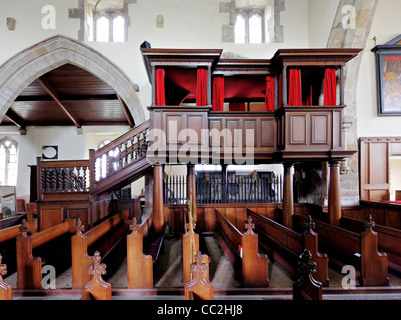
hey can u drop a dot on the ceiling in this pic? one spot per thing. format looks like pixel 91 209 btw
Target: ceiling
pixel 68 96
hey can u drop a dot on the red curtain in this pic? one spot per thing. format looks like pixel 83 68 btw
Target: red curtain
pixel 237 106
pixel 295 88
pixel 330 87
pixel 160 91
pixel 270 94
pixel 218 93
pixel 309 101
pixel 201 87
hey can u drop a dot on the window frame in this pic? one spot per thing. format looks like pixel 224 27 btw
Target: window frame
pixel 247 15
pixel 7 157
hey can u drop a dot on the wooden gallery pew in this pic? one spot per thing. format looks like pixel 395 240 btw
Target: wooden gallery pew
pixel 253 267
pixel 96 288
pixel 105 237
pixel 388 239
pixel 345 247
pixel 48 247
pixel 199 287
pixel 286 245
pixel 143 248
pixel 8 242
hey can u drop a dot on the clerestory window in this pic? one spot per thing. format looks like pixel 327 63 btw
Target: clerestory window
pixel 249 27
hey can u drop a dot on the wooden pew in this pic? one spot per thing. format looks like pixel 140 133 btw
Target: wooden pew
pixel 96 288
pixel 143 249
pixel 286 245
pixel 8 242
pixel 306 287
pixel 345 247
pixel 103 238
pixel 199 288
pixel 6 290
pixel 52 244
pixel 388 239
pixel 253 266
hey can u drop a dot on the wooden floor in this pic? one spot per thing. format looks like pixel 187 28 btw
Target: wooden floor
pixel 168 284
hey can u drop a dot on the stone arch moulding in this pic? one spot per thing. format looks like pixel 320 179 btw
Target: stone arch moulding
pixel 28 65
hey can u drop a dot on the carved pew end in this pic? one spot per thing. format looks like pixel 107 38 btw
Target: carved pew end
pixel 5 288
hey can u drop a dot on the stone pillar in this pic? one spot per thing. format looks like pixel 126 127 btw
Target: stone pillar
pixel 288 196
pixel 334 193
pixel 191 189
pixel 158 202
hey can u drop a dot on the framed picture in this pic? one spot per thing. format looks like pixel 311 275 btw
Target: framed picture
pixel 7 201
pixel 388 60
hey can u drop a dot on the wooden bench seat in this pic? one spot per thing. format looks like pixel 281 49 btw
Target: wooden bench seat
pixel 286 245
pixel 105 237
pixel 345 247
pixel 50 246
pixel 252 266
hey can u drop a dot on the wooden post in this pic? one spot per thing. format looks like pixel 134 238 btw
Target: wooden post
pixel 334 194
pixel 288 197
pixel 158 204
pixel 191 189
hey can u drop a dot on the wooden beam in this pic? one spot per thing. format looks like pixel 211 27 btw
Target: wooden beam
pixel 15 118
pixel 50 90
pixel 126 112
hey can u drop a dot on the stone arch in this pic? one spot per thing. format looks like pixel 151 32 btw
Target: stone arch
pixel 28 65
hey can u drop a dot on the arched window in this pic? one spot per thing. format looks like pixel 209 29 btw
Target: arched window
pixel 8 162
pixel 255 28
pixel 119 29
pixel 102 29
pixel 240 29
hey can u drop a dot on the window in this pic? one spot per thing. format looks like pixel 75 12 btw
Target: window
pixel 118 29
pixel 249 28
pixel 102 29
pixel 8 162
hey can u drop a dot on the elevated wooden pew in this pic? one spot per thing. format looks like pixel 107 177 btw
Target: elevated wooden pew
pixel 96 288
pixel 345 247
pixel 8 242
pixel 143 248
pixel 199 287
pixel 252 266
pixel 50 247
pixel 103 238
pixel 388 239
pixel 286 245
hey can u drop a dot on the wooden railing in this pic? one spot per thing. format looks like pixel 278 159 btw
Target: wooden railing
pixel 119 153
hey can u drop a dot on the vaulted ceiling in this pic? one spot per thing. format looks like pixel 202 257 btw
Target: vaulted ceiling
pixel 68 96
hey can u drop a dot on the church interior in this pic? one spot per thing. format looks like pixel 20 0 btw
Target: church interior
pixel 200 150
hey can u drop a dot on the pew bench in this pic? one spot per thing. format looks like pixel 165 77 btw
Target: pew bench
pixel 252 266
pixel 286 245
pixel 8 242
pixel 50 246
pixel 106 238
pixel 345 247
pixel 143 249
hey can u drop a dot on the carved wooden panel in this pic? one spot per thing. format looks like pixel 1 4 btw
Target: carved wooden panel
pixel 174 125
pixel 298 129
pixel 320 129
pixel 267 134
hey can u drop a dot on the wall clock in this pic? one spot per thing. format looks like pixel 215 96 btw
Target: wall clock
pixel 50 152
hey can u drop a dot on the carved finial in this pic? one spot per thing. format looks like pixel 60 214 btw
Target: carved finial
pixel 199 267
pixel 79 227
pixel 249 225
pixel 97 268
pixel 134 225
pixel 369 224
pixel 3 267
pixel 24 226
pixel 309 224
pixel 305 265
pixel 188 225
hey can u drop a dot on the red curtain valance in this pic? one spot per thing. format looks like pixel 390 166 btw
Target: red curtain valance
pixel 201 87
pixel 294 88
pixel 160 89
pixel 218 93
pixel 330 87
pixel 270 94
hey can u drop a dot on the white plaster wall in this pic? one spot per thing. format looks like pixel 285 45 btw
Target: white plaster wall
pixel 385 27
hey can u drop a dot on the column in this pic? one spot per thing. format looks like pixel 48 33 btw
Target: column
pixel 191 189
pixel 288 196
pixel 334 193
pixel 158 202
